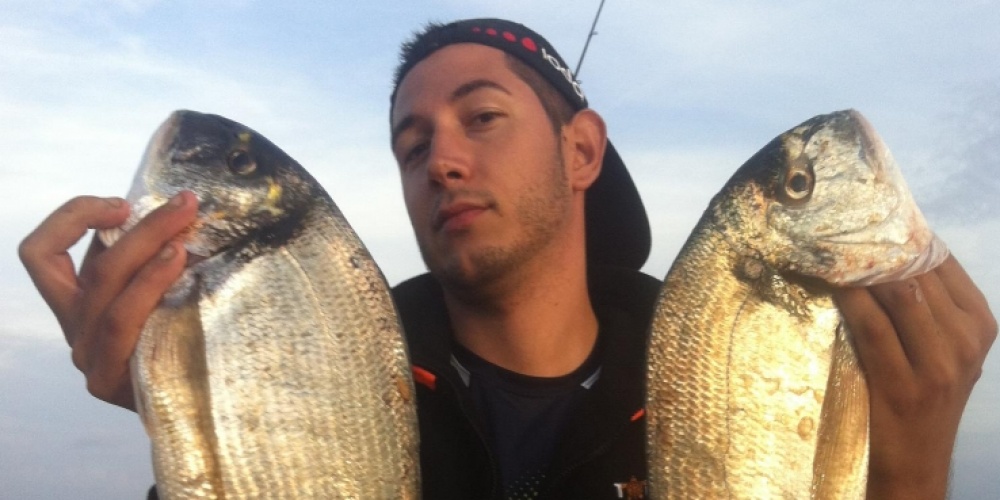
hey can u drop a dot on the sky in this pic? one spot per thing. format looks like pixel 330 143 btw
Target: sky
pixel 689 90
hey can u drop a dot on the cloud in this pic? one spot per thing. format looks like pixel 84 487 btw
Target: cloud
pixel 967 164
pixel 765 66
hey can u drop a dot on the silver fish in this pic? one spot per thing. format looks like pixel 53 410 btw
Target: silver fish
pixel 275 367
pixel 754 389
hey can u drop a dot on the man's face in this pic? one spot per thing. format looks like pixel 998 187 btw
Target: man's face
pixel 481 167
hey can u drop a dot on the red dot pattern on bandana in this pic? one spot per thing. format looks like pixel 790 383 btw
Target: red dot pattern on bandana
pixel 510 37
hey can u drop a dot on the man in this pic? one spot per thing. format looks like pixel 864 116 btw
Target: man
pixel 528 334
pixel 495 161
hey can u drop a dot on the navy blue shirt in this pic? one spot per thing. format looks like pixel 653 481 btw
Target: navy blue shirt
pixel 524 415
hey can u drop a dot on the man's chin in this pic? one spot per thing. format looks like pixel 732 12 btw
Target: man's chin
pixel 472 276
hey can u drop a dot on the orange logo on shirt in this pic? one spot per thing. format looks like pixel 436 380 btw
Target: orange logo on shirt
pixel 634 489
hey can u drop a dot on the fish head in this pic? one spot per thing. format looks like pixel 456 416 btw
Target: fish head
pixel 831 203
pixel 246 186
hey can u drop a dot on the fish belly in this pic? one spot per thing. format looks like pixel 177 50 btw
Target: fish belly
pixel 737 382
pixel 306 383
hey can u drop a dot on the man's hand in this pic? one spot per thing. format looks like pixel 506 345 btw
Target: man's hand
pixel 102 310
pixel 922 343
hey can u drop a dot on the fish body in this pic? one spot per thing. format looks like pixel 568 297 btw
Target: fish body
pixel 275 367
pixel 753 388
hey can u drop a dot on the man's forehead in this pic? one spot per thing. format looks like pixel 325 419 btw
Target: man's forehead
pixel 453 63
pixel 450 67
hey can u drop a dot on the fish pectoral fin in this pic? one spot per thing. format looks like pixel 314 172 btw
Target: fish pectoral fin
pixel 840 467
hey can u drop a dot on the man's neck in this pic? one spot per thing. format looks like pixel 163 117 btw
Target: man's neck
pixel 542 326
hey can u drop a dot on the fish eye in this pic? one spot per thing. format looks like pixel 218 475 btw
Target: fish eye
pixel 797 184
pixel 241 163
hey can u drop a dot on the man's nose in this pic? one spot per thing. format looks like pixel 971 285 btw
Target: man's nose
pixel 449 158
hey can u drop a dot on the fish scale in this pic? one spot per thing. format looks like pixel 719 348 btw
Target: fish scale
pixel 275 367
pixel 754 389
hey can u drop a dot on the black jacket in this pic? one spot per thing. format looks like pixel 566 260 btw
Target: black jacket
pixel 602 451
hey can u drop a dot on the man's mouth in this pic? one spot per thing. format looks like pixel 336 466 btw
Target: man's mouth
pixel 458 215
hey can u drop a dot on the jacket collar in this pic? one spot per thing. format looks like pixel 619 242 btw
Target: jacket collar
pixel 623 301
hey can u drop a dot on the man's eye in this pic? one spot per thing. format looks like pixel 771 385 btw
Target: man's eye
pixel 415 152
pixel 485 117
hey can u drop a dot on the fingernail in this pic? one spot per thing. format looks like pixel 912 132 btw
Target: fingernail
pixel 168 252
pixel 114 202
pixel 177 200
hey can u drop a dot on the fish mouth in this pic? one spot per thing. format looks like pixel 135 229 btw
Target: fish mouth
pixel 933 254
pixel 143 206
pixel 195 254
pixel 881 232
pixel 142 203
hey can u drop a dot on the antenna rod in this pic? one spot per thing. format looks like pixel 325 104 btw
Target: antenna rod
pixel 587 44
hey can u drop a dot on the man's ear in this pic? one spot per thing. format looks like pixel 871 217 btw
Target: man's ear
pixel 584 139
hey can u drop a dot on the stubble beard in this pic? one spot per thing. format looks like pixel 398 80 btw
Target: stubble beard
pixel 541 212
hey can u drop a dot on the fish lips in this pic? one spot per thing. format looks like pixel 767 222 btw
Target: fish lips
pixel 196 244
